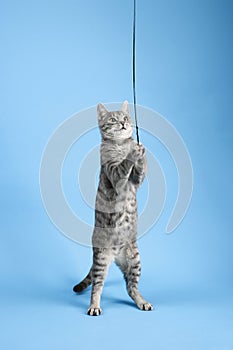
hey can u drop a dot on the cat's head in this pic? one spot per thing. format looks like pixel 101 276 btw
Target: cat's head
pixel 116 125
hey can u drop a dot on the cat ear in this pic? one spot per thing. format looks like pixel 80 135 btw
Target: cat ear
pixel 101 110
pixel 125 107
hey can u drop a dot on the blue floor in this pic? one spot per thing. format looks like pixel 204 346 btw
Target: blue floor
pixel 181 320
pixel 40 311
pixel 49 316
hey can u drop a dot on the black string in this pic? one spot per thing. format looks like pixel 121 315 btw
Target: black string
pixel 134 70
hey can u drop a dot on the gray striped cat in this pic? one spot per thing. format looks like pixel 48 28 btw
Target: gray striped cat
pixel 123 168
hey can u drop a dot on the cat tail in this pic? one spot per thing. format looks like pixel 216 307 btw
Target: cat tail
pixel 83 284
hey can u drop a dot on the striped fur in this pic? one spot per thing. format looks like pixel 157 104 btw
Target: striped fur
pixel 123 168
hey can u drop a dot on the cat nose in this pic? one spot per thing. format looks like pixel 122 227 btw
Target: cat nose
pixel 122 123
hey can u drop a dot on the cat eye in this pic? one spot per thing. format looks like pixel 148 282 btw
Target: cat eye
pixel 112 120
pixel 125 119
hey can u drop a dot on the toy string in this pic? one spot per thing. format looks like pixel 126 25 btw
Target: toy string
pixel 134 70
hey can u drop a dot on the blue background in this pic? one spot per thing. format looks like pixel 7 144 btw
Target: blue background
pixel 58 57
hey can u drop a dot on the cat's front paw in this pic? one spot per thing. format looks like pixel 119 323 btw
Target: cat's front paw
pixel 137 153
pixel 146 306
pixel 94 311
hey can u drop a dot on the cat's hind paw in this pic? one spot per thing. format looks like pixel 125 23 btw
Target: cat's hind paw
pixel 94 311
pixel 146 307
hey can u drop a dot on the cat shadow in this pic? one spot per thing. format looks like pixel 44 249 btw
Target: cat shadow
pixel 50 293
pixel 82 299
pixel 60 292
pixel 116 302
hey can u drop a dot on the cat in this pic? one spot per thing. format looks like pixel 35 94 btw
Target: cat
pixel 123 168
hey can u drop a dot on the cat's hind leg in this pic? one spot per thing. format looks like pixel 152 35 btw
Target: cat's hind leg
pixel 129 263
pixel 101 260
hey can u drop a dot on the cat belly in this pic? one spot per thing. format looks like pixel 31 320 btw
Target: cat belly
pixel 121 231
pixel 116 224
